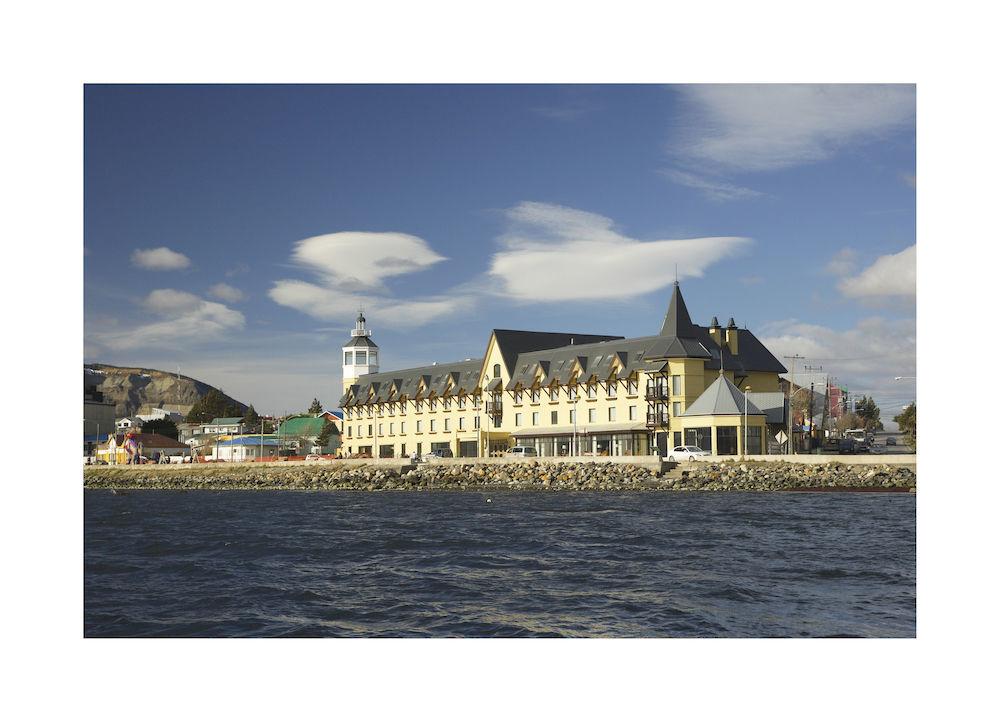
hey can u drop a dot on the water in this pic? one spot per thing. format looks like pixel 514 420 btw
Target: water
pixel 525 564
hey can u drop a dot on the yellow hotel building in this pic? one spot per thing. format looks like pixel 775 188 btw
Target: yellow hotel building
pixel 572 394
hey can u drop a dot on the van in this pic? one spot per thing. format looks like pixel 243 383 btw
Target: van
pixel 522 451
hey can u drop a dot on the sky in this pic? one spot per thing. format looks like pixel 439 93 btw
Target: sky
pixel 233 232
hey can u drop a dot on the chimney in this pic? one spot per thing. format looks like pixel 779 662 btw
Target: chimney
pixel 715 331
pixel 731 337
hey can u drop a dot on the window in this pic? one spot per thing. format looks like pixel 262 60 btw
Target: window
pixel 613 388
pixel 380 429
pixel 534 396
pixel 360 357
pixel 591 391
pixel 420 426
pixel 434 404
pixel 461 423
pixel 369 429
pixel 420 406
pixel 496 371
pixel 348 432
pixel 611 413
pixel 676 408
pixel 392 428
pixel 446 404
pixel 633 413
pixel 675 382
pixel 475 422
pixel 347 358
pixel 555 417
pixel 518 396
pixel 534 418
pixel 447 424
pixel 347 413
pixel 592 415
pixel 517 419
pixel 633 387
pixel 554 394
pixel 461 402
pixel 373 357
pixel 402 427
pixel 433 424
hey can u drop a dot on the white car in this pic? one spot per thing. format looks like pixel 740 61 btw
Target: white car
pixel 686 453
pixel 522 451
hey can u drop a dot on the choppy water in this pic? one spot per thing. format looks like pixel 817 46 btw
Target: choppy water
pixel 532 564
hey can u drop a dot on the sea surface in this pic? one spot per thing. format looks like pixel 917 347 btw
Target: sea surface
pixel 498 564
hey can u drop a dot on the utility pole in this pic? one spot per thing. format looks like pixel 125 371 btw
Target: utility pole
pixel 791 413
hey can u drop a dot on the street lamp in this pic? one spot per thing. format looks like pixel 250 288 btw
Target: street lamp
pixel 486 381
pixel 576 448
pixel 746 415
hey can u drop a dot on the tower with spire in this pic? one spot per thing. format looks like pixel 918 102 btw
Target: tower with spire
pixel 360 353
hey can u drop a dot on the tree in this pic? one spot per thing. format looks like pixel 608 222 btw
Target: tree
pixel 325 433
pixel 316 407
pixel 907 421
pixel 869 413
pixel 849 421
pixel 166 427
pixel 212 405
pixel 252 421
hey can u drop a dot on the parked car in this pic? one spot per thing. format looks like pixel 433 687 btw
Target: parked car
pixel 877 448
pixel 686 453
pixel 891 441
pixel 437 454
pixel 522 451
pixel 314 457
pixel 846 446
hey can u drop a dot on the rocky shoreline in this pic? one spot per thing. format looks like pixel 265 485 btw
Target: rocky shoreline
pixel 540 475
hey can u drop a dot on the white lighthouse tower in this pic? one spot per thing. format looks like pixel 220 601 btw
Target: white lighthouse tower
pixel 360 353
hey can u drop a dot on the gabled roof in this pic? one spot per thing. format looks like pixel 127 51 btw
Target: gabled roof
pixel 302 426
pixel 225 421
pixel 513 343
pixel 463 374
pixel 722 398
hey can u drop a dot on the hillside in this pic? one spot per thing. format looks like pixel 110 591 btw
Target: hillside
pixel 130 389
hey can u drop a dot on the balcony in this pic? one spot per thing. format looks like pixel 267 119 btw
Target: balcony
pixel 657 418
pixel 656 393
pixel 494 408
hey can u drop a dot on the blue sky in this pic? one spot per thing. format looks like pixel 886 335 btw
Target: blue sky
pixel 233 231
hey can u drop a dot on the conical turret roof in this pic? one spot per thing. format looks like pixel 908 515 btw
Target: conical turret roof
pixel 677 322
pixel 722 398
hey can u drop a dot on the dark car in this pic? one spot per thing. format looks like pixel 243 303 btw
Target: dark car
pixel 846 446
pixel 891 441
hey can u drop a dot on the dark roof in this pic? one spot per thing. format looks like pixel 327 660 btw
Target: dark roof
pixel 463 376
pixel 361 341
pixel 513 343
pixel 556 354
pixel 677 322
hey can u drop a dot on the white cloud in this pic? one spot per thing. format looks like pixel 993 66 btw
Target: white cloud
pixel 359 261
pixel 554 253
pixel 225 292
pixel 892 275
pixel 159 259
pixel 330 304
pixel 768 127
pixel 843 263
pixel 187 318
pixel 716 190
pixel 171 303
pixel 865 358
